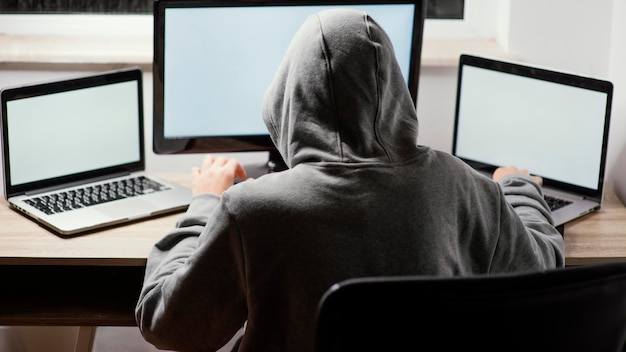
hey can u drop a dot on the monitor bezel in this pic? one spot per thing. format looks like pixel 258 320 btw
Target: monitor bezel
pixel 249 143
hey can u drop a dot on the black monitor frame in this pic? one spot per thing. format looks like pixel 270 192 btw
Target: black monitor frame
pixel 246 143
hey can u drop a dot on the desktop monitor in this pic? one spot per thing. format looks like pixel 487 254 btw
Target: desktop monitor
pixel 213 61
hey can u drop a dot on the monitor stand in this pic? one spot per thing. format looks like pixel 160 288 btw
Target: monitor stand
pixel 274 163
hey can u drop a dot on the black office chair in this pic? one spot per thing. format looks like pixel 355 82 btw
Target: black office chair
pixel 570 309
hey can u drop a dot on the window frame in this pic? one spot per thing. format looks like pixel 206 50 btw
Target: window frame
pixel 117 33
pixel 480 22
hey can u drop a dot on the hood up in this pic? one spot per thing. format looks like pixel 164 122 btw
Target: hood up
pixel 339 95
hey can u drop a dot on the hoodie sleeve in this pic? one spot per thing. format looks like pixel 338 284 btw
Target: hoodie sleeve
pixel 192 296
pixel 534 242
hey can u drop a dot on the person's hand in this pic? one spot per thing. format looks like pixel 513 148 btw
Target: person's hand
pixel 216 175
pixel 503 171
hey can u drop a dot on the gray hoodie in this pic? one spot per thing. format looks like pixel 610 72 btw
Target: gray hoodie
pixel 360 199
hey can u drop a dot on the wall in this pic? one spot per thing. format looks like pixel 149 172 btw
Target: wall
pixel 617 73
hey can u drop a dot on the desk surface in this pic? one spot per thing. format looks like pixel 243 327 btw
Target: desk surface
pixel 95 279
pixel 88 280
pixel 26 243
pixel 597 237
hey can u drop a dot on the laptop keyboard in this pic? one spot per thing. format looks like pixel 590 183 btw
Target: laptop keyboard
pixel 98 194
pixel 556 203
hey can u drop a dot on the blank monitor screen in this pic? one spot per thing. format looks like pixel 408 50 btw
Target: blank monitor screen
pixel 215 60
pixel 215 89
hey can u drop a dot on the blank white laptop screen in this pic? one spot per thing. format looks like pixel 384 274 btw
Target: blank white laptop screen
pixel 72 132
pixel 508 119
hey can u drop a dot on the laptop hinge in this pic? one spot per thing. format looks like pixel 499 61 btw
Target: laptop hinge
pixel 76 183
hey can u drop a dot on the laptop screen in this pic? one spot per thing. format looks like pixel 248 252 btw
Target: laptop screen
pixel 552 124
pixel 66 128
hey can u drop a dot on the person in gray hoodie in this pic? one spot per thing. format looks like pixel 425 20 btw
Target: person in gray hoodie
pixel 360 198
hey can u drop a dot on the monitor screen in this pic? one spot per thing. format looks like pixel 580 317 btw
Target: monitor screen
pixel 213 61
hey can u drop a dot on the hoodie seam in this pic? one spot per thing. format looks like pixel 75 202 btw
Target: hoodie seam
pixel 378 87
pixel 332 87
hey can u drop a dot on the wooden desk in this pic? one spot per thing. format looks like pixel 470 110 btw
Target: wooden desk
pixel 94 280
pixel 598 237
pixel 87 281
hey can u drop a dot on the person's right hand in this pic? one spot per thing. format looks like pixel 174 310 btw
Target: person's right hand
pixel 216 175
pixel 503 171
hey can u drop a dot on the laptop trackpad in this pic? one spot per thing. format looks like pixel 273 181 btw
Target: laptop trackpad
pixel 129 208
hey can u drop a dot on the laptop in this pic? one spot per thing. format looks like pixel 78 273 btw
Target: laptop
pixel 554 124
pixel 73 154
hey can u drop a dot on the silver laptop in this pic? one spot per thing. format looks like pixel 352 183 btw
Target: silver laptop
pixel 553 124
pixel 73 154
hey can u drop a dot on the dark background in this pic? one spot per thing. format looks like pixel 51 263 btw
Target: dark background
pixel 439 9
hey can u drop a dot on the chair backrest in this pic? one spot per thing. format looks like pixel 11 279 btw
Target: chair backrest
pixel 569 309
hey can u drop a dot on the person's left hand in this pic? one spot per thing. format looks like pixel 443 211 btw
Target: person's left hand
pixel 216 175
